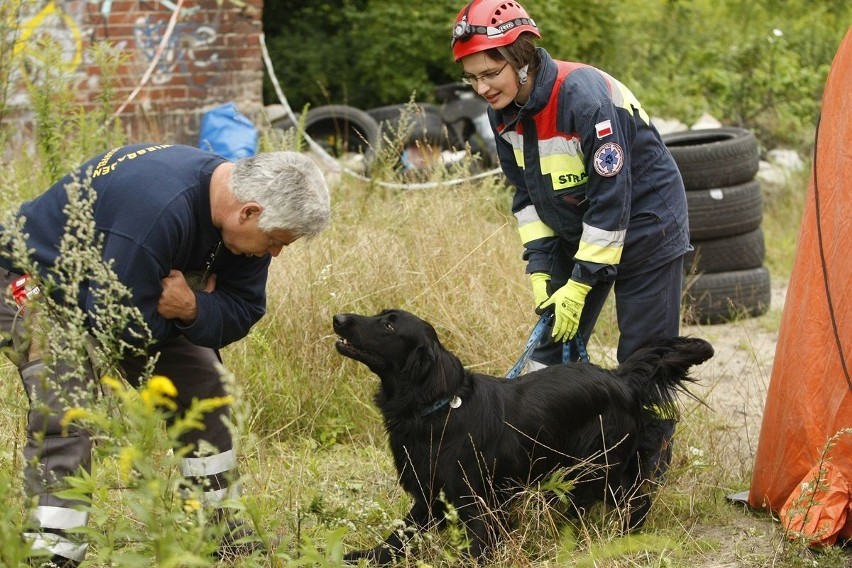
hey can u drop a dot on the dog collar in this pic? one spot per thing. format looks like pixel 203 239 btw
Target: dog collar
pixel 454 402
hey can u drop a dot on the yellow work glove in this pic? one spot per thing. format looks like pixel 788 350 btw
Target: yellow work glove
pixel 539 280
pixel 567 305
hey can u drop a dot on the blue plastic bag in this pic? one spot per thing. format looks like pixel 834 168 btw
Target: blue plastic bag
pixel 227 132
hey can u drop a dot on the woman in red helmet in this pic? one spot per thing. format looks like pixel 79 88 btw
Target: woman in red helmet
pixel 598 198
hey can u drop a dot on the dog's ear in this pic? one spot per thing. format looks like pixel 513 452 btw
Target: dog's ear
pixel 434 370
pixel 420 363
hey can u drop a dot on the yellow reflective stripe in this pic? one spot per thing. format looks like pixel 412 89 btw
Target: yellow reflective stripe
pixel 535 231
pixel 601 246
pixel 562 159
pixel 564 171
pixel 530 225
pixel 598 254
pixel 517 142
pixel 624 97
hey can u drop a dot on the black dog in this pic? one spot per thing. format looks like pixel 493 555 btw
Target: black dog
pixel 474 441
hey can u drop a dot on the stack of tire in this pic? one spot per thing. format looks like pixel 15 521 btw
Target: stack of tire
pixel 725 275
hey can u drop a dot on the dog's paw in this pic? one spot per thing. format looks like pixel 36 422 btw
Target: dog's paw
pixel 352 558
pixel 378 556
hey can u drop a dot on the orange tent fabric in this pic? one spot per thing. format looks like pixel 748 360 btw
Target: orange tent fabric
pixel 803 465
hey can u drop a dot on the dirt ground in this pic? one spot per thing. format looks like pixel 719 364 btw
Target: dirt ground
pixel 735 380
pixel 733 384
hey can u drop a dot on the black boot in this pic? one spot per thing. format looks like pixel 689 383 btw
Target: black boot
pixel 54 561
pixel 239 540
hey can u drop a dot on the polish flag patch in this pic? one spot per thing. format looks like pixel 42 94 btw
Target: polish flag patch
pixel 603 129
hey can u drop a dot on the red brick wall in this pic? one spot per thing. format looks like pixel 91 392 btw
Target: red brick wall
pixel 213 56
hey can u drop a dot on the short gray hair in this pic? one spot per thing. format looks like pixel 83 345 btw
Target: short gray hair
pixel 289 186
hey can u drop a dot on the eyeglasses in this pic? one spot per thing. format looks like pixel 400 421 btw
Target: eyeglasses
pixel 487 78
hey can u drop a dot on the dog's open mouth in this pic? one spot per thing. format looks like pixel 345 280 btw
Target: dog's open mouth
pixel 347 349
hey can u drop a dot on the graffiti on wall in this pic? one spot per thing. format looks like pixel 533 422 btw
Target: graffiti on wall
pixel 51 20
pixel 64 23
pixel 187 49
pixel 40 25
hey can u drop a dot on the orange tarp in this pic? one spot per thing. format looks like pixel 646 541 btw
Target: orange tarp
pixel 803 465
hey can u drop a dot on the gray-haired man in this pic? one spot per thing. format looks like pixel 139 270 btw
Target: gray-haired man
pixel 167 214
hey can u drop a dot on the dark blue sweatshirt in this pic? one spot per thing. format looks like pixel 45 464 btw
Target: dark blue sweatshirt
pixel 153 210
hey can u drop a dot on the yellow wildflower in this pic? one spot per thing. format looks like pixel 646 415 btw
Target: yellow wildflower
pixel 191 505
pixel 192 418
pixel 126 458
pixel 73 414
pixel 113 384
pixel 159 391
pixel 162 385
pixel 206 405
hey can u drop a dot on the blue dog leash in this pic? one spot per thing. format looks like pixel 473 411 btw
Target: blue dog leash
pixel 532 342
pixel 535 337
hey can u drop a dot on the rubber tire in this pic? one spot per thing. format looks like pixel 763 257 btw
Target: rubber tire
pixel 724 211
pixel 323 124
pixel 465 109
pixel 342 129
pixel 722 297
pixel 426 124
pixel 714 157
pixel 391 113
pixel 738 252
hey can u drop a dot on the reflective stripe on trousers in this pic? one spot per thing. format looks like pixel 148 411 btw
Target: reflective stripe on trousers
pixel 51 453
pixel 58 545
pixel 58 519
pixel 196 373
pixel 213 473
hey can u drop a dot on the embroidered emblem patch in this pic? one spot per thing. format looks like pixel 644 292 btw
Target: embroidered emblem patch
pixel 603 129
pixel 608 159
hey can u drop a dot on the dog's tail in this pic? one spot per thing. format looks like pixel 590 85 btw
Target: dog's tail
pixel 660 370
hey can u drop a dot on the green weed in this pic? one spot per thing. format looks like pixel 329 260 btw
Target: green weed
pixel 317 473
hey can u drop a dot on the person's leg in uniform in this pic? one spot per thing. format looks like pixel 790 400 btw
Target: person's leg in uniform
pixel 51 452
pixel 648 307
pixel 211 464
pixel 195 373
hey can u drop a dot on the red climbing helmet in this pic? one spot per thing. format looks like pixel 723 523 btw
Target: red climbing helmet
pixel 484 24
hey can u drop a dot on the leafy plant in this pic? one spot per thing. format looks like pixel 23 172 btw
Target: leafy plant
pixel 761 65
pixel 311 434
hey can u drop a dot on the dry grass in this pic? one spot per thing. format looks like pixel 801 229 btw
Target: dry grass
pixel 318 474
pixel 452 256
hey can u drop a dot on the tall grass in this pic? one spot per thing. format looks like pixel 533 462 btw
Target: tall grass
pixel 318 474
pixel 782 219
pixel 312 447
pixel 453 257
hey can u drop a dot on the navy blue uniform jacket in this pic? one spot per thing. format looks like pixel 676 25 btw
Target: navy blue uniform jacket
pixel 591 173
